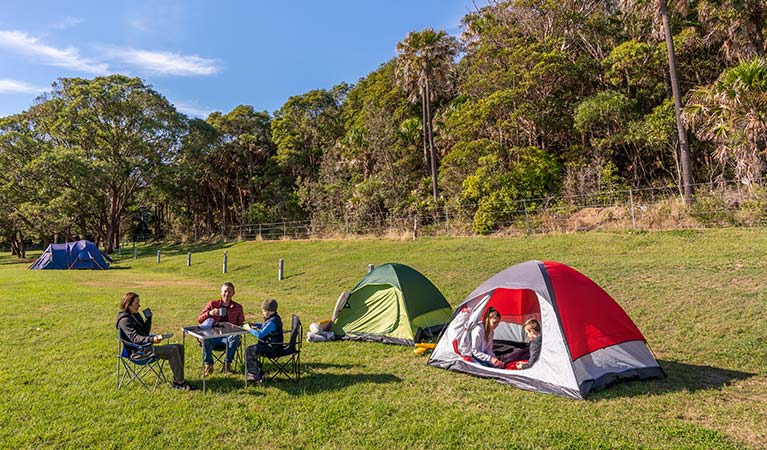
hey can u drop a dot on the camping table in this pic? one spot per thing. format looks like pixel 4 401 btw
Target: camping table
pixel 222 329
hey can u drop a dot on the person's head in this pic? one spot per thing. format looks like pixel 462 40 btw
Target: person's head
pixel 227 292
pixel 130 303
pixel 269 308
pixel 532 328
pixel 491 320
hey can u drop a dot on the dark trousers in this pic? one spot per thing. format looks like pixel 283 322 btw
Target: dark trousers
pixel 254 351
pixel 174 354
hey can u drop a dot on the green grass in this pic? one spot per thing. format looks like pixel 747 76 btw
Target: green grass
pixel 698 297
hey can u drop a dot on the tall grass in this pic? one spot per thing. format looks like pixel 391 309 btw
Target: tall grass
pixel 698 297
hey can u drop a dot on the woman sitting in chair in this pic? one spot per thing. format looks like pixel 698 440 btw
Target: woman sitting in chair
pixel 135 330
pixel 269 334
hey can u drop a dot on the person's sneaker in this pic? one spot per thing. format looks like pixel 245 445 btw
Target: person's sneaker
pixel 255 378
pixel 227 368
pixel 208 370
pixel 185 386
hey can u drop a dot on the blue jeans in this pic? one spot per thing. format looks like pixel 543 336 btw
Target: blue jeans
pixel 232 342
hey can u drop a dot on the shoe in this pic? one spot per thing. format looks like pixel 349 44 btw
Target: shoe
pixel 185 386
pixel 227 368
pixel 255 378
pixel 208 370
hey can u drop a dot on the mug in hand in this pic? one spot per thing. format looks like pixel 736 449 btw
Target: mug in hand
pixel 222 312
pixel 147 312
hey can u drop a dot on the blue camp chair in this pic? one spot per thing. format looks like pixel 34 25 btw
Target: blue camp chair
pixel 287 359
pixel 137 363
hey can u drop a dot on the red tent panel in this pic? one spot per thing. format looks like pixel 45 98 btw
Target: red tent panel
pixel 514 305
pixel 590 318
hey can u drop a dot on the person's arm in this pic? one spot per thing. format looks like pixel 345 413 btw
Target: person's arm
pixel 478 345
pixel 237 315
pixel 205 313
pixel 132 334
pixel 535 352
pixel 263 332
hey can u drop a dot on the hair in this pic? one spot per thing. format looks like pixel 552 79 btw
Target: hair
pixel 127 300
pixel 228 284
pixel 489 314
pixel 534 324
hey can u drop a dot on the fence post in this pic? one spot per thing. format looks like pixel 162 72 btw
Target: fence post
pixel 189 259
pixel 527 219
pixel 370 268
pixel 135 251
pixel 225 258
pixel 415 226
pixel 447 221
pixel 158 257
pixel 281 271
pixel 284 228
pixel 631 202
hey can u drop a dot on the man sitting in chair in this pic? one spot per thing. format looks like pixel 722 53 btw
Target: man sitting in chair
pixel 222 310
pixel 269 334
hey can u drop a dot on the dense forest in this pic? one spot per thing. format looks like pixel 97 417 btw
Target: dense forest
pixel 535 98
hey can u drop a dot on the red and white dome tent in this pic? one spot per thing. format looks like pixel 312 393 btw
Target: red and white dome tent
pixel 588 341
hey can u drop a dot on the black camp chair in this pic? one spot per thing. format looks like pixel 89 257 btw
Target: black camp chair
pixel 137 363
pixel 286 359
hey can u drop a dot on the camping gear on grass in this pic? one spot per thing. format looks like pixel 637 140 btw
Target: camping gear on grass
pixel 394 304
pixel 72 255
pixel 588 341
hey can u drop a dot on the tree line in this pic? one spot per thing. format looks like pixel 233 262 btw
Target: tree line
pixel 535 98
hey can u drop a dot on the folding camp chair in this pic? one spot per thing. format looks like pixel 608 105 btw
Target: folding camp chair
pixel 287 359
pixel 137 362
pixel 219 355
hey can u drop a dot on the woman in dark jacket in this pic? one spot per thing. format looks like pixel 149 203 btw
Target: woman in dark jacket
pixel 134 329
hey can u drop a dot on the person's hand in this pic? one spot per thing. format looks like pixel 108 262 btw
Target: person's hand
pixel 246 326
pixel 496 362
pixel 213 313
pixel 157 338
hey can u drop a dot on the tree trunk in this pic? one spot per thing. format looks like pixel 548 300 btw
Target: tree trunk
pixel 431 144
pixel 683 146
pixel 424 132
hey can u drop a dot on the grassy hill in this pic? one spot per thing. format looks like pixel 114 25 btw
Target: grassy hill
pixel 698 297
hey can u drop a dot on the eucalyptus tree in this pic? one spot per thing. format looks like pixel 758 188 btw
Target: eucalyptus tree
pixel 110 138
pixel 423 68
pixel 303 130
pixel 659 9
pixel 731 113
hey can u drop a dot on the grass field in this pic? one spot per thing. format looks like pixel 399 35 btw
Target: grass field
pixel 698 297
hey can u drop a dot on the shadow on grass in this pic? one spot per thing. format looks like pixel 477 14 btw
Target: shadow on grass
pixel 313 381
pixel 294 275
pixel 12 261
pixel 680 377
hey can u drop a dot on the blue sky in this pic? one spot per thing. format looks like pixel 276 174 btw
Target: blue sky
pixel 208 55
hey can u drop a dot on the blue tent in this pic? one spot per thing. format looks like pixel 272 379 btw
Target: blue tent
pixel 72 255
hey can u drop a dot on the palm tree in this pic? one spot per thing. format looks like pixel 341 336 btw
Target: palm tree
pixel 660 10
pixel 731 113
pixel 423 65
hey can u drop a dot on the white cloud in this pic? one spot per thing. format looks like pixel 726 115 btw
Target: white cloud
pixel 19 87
pixel 69 57
pixel 167 63
pixel 68 22
pixel 192 110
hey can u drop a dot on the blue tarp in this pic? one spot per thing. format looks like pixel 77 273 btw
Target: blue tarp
pixel 72 255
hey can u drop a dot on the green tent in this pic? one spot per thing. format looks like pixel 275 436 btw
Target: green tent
pixel 394 304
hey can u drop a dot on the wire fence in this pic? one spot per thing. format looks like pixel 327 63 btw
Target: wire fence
pixel 716 204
